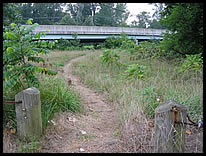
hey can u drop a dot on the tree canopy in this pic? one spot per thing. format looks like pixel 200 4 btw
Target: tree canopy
pixel 184 22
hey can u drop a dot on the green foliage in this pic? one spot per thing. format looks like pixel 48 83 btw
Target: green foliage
pixel 150 101
pixel 109 57
pixel 11 13
pixel 135 71
pixel 112 42
pixel 128 44
pixel 19 50
pixel 91 47
pixel 157 86
pixel 57 96
pixel 43 13
pixel 67 20
pixel 64 44
pixel 110 14
pixel 147 49
pixel 192 63
pixel 142 20
pixel 100 46
pixel 185 28
pixel 122 42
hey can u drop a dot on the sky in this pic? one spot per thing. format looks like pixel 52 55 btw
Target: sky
pixel 136 8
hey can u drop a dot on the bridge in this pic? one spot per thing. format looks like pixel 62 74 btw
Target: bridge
pixel 96 32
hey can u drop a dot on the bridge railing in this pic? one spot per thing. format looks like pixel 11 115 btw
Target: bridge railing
pixel 70 29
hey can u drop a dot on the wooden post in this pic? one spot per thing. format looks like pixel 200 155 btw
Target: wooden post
pixel 169 127
pixel 28 113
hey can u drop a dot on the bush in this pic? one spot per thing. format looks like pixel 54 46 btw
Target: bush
pixel 110 58
pixel 19 49
pixel 128 44
pixel 135 71
pixel 124 42
pixel 64 44
pixel 192 63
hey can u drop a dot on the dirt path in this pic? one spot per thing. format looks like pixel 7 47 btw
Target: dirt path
pixel 95 130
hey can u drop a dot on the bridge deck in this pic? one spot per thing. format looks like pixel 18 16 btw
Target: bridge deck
pixel 69 29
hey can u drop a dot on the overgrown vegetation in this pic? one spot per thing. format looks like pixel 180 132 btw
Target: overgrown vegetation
pixel 133 76
pixel 18 52
pixel 155 77
pixel 184 23
pixel 75 44
pixel 56 96
pixel 22 69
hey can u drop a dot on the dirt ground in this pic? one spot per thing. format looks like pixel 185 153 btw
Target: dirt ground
pixel 90 132
pixel 97 129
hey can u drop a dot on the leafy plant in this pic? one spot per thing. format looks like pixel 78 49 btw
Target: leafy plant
pixel 116 42
pixel 150 101
pixel 135 71
pixel 128 44
pixel 19 49
pixel 148 49
pixel 192 62
pixel 110 58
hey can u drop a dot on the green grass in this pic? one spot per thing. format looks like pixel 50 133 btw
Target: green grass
pixel 161 82
pixel 55 94
pixel 59 58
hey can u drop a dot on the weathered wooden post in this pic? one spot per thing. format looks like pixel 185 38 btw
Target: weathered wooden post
pixel 169 127
pixel 28 113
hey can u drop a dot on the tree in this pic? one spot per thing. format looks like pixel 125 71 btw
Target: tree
pixel 111 14
pixel 121 14
pixel 105 15
pixel 155 24
pixel 67 20
pixel 185 28
pixel 11 13
pixel 43 13
pixel 82 13
pixel 143 20
pixel 18 50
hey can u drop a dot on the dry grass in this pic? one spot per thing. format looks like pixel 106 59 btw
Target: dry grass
pixel 161 82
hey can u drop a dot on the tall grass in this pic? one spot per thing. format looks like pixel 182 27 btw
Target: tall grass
pixel 55 94
pixel 161 83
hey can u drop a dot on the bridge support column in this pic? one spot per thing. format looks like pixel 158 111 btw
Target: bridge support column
pixel 136 42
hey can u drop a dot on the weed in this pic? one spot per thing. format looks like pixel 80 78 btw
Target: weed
pixel 135 71
pixel 109 57
pixel 159 84
pixel 32 146
pixel 56 96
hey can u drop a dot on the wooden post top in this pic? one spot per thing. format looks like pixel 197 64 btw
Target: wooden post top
pixel 168 105
pixel 31 90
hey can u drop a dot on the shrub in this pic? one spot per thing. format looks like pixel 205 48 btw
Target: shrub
pixel 192 63
pixel 110 58
pixel 135 71
pixel 128 44
pixel 19 49
pixel 123 41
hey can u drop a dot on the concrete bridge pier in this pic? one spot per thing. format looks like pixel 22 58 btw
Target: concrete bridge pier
pixel 136 42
